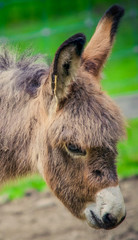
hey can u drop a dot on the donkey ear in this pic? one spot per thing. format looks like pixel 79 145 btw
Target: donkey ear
pixel 98 49
pixel 65 65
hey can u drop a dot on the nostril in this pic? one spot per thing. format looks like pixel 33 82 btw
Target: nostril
pixel 109 219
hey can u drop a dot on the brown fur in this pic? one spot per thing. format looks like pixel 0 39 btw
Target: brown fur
pixel 41 114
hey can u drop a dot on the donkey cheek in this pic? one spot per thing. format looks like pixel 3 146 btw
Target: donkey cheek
pixel 72 195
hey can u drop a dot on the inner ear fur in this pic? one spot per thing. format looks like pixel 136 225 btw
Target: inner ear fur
pixel 99 47
pixel 65 65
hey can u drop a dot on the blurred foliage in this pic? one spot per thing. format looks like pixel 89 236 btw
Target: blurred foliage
pixel 24 10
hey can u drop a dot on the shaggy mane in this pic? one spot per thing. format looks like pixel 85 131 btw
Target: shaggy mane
pixel 10 59
pixel 26 70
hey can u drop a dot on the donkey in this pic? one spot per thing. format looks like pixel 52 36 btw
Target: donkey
pixel 57 121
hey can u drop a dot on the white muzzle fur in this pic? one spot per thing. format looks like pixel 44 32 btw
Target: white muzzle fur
pixel 108 211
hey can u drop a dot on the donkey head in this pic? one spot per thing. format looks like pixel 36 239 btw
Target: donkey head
pixel 84 126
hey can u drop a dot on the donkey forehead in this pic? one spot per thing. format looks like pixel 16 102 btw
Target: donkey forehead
pixel 89 119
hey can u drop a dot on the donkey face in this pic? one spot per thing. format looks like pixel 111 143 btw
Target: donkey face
pixel 83 129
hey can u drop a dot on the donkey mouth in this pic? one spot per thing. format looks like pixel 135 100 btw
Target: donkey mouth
pixel 108 210
pixel 108 225
pixel 97 221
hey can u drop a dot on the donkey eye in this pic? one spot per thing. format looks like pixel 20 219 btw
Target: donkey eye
pixel 75 149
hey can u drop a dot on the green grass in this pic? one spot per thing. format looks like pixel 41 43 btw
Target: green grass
pixel 128 151
pixel 117 80
pixel 17 188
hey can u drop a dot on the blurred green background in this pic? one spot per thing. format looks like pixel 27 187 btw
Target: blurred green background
pixel 44 24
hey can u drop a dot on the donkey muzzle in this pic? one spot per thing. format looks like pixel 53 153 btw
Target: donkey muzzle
pixel 108 211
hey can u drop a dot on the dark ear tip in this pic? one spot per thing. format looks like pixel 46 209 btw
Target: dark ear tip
pixel 77 36
pixel 78 40
pixel 115 11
